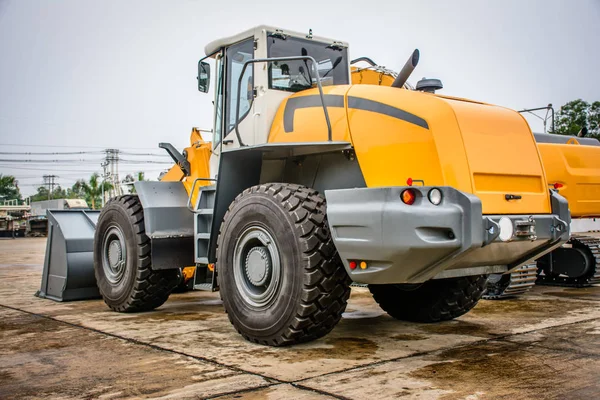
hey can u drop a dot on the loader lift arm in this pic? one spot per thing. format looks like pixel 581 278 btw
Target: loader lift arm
pixel 179 158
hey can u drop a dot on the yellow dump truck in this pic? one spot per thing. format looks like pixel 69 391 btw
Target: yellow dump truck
pixel 310 183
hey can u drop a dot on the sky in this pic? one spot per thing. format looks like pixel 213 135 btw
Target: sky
pixel 84 75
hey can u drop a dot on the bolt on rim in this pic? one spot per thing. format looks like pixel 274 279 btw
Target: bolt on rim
pixel 257 267
pixel 114 254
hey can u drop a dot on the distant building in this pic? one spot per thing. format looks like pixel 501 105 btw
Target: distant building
pixel 38 208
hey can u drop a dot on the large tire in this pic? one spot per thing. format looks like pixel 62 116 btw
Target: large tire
pixel 281 279
pixel 433 301
pixel 122 259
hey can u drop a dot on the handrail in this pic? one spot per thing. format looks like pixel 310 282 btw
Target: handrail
pixel 291 58
pixel 189 202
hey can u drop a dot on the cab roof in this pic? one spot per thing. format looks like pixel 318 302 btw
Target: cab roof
pixel 226 41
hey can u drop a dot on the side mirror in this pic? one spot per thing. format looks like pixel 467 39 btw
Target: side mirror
pixel 203 76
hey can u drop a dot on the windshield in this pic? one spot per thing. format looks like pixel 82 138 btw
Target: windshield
pixel 294 76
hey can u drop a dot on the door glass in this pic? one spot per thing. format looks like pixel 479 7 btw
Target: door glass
pixel 236 56
pixel 218 104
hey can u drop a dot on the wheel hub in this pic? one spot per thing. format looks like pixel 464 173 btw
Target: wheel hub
pixel 258 265
pixel 114 255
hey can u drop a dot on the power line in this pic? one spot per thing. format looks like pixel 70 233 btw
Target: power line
pixel 81 147
pixel 64 153
pixel 56 153
pixel 5 160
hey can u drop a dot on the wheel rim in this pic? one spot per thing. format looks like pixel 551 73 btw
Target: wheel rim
pixel 114 254
pixel 257 267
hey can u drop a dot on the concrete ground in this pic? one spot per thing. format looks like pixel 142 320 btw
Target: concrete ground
pixel 543 345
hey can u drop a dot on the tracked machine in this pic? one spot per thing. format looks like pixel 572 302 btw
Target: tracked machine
pixel 311 183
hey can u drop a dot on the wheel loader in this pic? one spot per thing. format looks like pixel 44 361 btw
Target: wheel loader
pixel 311 183
pixel 572 166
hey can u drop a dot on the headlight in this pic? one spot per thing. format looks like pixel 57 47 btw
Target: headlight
pixel 435 196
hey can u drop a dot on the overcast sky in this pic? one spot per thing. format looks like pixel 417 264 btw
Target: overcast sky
pixel 123 73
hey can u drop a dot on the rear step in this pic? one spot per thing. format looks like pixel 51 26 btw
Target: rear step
pixel 204 277
pixel 510 285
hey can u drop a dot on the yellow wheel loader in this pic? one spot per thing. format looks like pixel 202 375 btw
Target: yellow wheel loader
pixel 311 183
pixel 572 166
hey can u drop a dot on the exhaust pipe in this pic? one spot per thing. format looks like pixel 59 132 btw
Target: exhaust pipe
pixel 408 68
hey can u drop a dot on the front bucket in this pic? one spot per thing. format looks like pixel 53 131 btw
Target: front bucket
pixel 69 263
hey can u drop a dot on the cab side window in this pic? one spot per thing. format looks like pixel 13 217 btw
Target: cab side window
pixel 236 55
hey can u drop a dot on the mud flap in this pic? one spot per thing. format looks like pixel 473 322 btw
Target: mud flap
pixel 69 264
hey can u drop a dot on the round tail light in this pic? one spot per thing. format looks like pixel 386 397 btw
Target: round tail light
pixel 408 196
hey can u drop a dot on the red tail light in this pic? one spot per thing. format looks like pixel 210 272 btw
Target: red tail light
pixel 558 185
pixel 408 196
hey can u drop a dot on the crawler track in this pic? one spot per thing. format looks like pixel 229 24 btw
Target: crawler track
pixel 588 279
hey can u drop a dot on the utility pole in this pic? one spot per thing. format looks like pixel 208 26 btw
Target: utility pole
pixel 49 180
pixel 104 164
pixel 111 168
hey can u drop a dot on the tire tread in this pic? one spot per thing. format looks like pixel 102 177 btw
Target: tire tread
pixel 433 301
pixel 326 286
pixel 151 287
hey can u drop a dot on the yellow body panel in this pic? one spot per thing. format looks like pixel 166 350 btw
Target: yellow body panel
pixel 577 168
pixel 474 147
pixel 503 157
pixel 370 77
pixel 313 127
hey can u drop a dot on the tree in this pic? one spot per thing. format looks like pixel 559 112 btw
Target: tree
pixel 130 179
pixel 93 189
pixel 77 190
pixel 42 194
pixel 577 115
pixel 594 119
pixel 9 188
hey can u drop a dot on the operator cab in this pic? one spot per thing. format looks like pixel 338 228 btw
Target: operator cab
pixel 264 84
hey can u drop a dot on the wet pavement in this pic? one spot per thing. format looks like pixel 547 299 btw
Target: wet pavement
pixel 543 345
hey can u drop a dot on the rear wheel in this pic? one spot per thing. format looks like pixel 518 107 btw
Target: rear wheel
pixel 122 259
pixel 433 301
pixel 280 277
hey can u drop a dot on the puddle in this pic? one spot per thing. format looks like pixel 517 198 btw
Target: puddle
pixel 546 307
pixel 501 370
pixel 456 328
pixel 358 314
pixel 345 348
pixel 587 293
pixel 158 316
pixel 409 336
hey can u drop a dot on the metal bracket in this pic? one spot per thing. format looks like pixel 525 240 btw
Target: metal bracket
pixel 558 227
pixel 492 230
pixel 525 229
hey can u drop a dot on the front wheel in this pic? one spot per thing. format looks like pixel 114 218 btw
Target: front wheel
pixel 433 301
pixel 122 259
pixel 281 279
